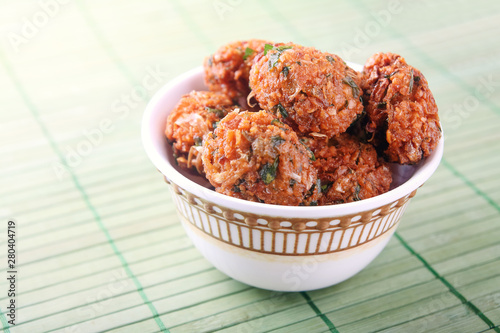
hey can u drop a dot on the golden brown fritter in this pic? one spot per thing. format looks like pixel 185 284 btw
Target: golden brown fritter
pixel 325 133
pixel 191 120
pixel 402 114
pixel 227 70
pixel 311 91
pixel 253 156
pixel 348 169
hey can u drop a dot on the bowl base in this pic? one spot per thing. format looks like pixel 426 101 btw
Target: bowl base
pixel 284 272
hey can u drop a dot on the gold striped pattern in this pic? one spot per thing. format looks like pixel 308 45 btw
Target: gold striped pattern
pixel 270 234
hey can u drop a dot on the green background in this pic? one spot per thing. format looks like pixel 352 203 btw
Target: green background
pixel 99 243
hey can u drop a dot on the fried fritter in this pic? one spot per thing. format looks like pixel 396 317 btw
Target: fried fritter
pixel 253 156
pixel 402 114
pixel 349 170
pixel 309 90
pixel 227 70
pixel 191 120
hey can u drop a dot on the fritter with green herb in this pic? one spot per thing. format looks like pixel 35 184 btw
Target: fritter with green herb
pixel 403 120
pixel 310 90
pixel 194 116
pixel 348 169
pixel 254 156
pixel 227 70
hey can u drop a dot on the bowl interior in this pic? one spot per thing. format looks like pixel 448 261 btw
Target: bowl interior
pixel 406 178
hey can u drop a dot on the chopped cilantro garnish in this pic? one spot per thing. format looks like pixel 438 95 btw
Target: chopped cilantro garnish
pixel 236 186
pixel 218 112
pixel 248 52
pixel 273 58
pixel 268 171
pixel 282 110
pixel 330 58
pixel 285 71
pixel 292 182
pixel 197 141
pixel 313 158
pixel 276 121
pixel 282 48
pixel 355 89
pixel 356 193
pixel 267 48
pixel 215 124
pixel 325 187
pixel 277 140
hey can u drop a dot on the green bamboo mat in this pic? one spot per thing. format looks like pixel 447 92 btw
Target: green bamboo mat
pixel 99 245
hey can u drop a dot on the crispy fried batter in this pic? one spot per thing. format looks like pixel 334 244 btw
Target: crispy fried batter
pixel 313 142
pixel 253 156
pixel 348 169
pixel 402 114
pixel 227 70
pixel 311 91
pixel 191 120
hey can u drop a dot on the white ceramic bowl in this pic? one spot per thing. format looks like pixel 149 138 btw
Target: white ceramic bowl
pixel 277 247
